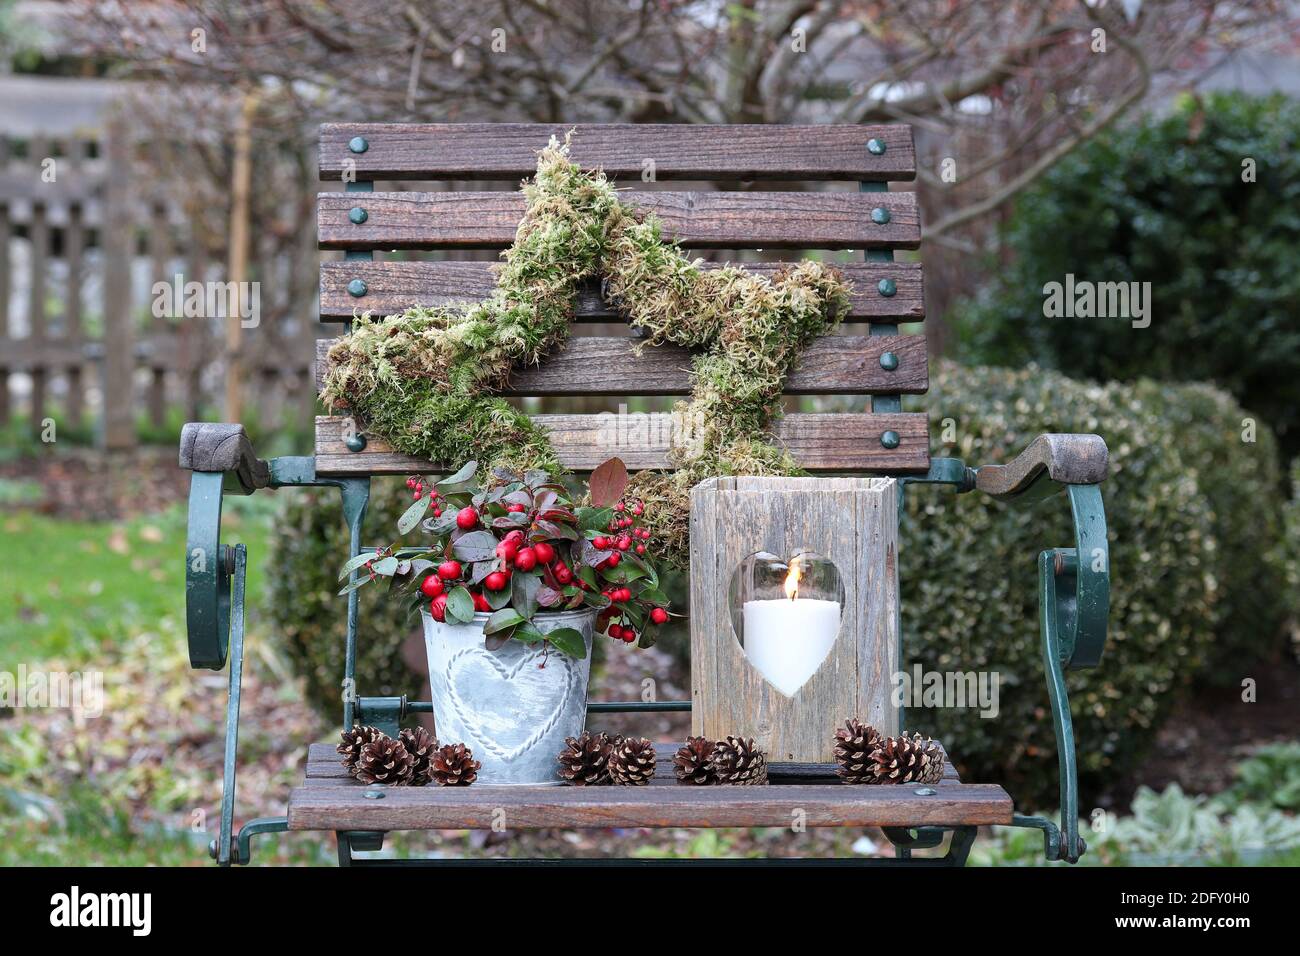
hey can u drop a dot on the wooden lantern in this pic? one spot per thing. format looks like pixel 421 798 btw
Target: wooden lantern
pixel 850 522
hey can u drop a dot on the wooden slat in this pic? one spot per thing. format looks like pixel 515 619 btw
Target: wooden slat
pixel 481 806
pixel 508 151
pixel 392 287
pixel 716 220
pixel 836 364
pixel 819 442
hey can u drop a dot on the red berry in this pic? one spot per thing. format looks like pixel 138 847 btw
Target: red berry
pixel 620 506
pixel 600 543
pixel 545 553
pixel 516 536
pixel 616 632
pixel 415 495
pixel 514 507
pixel 624 595
pixel 526 559
pixel 612 560
pixel 659 616
pixel 629 635
pixel 496 581
pixel 563 574
pixel 466 518
pixel 449 570
pixel 437 512
pixel 431 586
pixel 480 602
pixel 410 483
pixel 507 550
pixel 638 508
pixel 640 549
pixel 624 543
pixel 438 607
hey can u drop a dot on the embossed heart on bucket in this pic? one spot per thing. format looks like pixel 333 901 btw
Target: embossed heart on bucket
pixel 513 706
pixel 528 697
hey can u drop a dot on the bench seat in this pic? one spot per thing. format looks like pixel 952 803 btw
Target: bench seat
pixel 330 800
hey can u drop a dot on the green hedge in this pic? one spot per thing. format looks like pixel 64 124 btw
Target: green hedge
pixel 310 544
pixel 1288 558
pixel 1197 589
pixel 1185 501
pixel 1163 201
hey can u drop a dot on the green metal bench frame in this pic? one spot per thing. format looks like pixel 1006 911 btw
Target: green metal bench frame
pixel 1074 602
pixel 1074 599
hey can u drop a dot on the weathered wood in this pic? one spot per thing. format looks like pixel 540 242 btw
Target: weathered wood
pixel 39 235
pixel 116 239
pixel 392 287
pixel 819 442
pixel 220 446
pixel 1068 459
pixel 74 244
pixel 5 232
pixel 836 364
pixel 850 521
pixel 484 807
pixel 508 151
pixel 717 220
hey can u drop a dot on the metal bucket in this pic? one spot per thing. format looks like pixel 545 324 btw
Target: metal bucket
pixel 504 705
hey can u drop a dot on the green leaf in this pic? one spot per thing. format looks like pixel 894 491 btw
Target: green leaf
pixel 500 620
pixel 499 599
pixel 411 517
pixel 654 596
pixel 467 471
pixel 460 605
pixel 527 633
pixel 353 585
pixel 525 591
pixel 356 562
pixel 569 641
pixel 475 546
pixel 594 519
pixel 386 566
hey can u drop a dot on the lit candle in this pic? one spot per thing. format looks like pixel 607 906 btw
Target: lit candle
pixel 787 639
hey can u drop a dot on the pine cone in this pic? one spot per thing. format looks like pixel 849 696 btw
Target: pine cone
pixel 353 740
pixel 385 760
pixel 739 762
pixel 905 759
pixel 454 766
pixel 421 745
pixel 632 762
pixel 693 763
pixel 584 761
pixel 854 744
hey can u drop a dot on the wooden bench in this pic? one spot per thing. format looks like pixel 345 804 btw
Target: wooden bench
pixel 868 357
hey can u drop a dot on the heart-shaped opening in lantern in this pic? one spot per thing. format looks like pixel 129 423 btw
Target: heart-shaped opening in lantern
pixel 786 614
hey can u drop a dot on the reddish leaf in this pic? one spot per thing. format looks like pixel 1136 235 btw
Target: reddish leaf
pixel 608 482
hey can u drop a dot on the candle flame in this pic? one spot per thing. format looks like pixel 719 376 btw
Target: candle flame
pixel 792 579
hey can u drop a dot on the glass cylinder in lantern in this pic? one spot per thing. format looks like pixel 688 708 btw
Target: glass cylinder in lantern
pixel 786 613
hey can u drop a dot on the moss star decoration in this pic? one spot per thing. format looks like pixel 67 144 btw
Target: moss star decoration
pixel 424 379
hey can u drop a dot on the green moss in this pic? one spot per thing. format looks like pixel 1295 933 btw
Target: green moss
pixel 422 379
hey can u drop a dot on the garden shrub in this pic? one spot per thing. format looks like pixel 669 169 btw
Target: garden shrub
pixel 1164 202
pixel 304 606
pixel 1186 502
pixel 969 574
pixel 1288 558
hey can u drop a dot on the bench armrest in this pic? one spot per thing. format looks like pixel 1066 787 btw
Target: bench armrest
pixel 223 447
pixel 1050 461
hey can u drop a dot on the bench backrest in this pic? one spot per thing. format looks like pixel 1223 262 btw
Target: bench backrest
pixel 867 357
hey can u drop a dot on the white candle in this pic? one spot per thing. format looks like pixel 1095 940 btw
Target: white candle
pixel 787 639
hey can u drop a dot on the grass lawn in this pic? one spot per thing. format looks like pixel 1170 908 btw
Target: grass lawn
pixel 70 587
